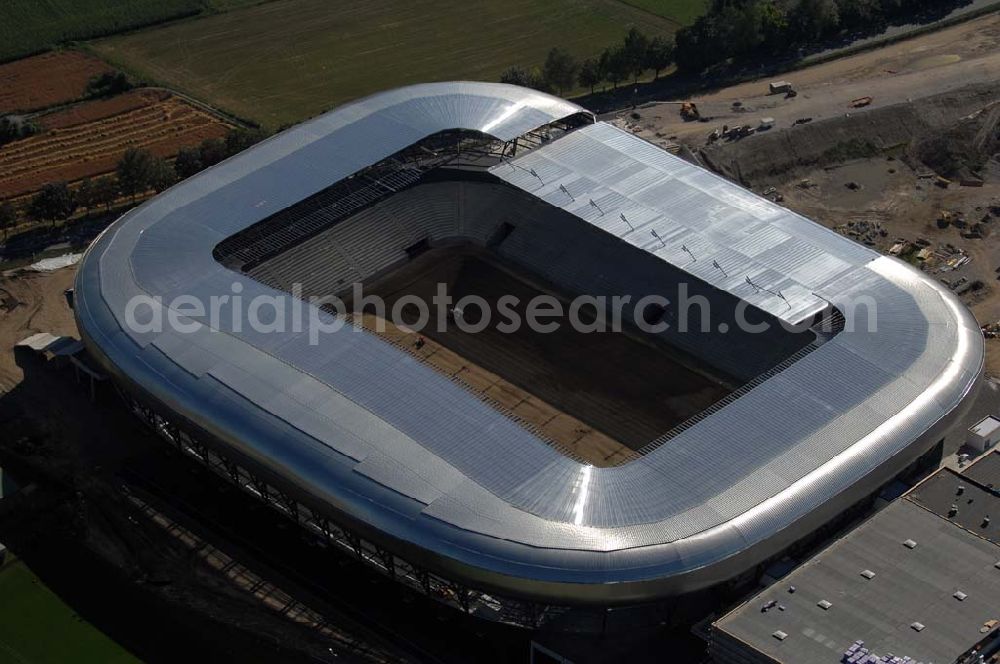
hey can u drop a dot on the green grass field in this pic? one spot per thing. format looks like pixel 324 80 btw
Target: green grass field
pixel 37 628
pixel 683 11
pixel 283 61
pixel 28 26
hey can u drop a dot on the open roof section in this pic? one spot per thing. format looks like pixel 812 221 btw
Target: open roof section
pixel 447 149
pixel 357 426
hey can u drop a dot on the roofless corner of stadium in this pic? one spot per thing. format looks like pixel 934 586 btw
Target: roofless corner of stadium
pixel 515 475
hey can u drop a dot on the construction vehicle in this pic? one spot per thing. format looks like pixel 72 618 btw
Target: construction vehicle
pixel 779 87
pixel 689 111
pixel 736 133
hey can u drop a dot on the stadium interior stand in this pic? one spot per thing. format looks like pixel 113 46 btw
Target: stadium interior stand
pixel 473 208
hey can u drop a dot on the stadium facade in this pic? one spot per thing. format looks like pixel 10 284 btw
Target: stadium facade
pixel 395 461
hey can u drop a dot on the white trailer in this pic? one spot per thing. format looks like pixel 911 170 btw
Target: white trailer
pixel 984 434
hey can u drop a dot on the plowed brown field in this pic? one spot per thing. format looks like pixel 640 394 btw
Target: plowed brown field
pixel 46 80
pixel 99 109
pixel 89 139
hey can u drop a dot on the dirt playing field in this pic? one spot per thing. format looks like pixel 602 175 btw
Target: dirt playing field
pixel 599 395
pixel 88 139
pixel 562 431
pixel 46 80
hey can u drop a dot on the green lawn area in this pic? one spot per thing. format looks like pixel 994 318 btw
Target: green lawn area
pixel 682 11
pixel 228 5
pixel 37 628
pixel 27 26
pixel 283 61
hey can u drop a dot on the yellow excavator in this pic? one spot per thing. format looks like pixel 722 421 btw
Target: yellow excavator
pixel 689 111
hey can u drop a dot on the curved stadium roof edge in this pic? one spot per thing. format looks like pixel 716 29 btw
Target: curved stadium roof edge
pixel 474 494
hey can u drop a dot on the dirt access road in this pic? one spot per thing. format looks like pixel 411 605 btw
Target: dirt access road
pixel 30 303
pixel 925 65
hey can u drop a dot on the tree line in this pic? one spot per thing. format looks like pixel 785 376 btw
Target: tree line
pixel 137 172
pixel 753 29
pixel 730 29
pixel 627 60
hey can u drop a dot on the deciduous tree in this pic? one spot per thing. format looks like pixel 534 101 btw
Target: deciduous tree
pixel 560 70
pixel 590 74
pixel 634 53
pixel 815 19
pixel 239 139
pixel 188 162
pixel 616 65
pixel 659 55
pixel 515 76
pixel 135 172
pixel 161 174
pixel 212 150
pixel 105 191
pixel 55 202
pixel 85 197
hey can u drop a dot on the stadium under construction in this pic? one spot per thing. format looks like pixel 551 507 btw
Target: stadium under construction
pixel 516 475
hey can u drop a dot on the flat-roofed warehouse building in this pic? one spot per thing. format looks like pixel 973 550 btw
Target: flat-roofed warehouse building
pixel 918 582
pixel 451 491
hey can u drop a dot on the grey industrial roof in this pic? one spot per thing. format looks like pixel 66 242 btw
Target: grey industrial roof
pixel 986 470
pixel 359 424
pixel 908 586
pixel 953 497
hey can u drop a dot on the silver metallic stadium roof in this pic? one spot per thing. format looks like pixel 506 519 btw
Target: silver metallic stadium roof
pixel 360 425
pixel 660 203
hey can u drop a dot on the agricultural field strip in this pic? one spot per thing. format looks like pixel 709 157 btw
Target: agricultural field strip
pixel 46 80
pixel 92 111
pixel 101 142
